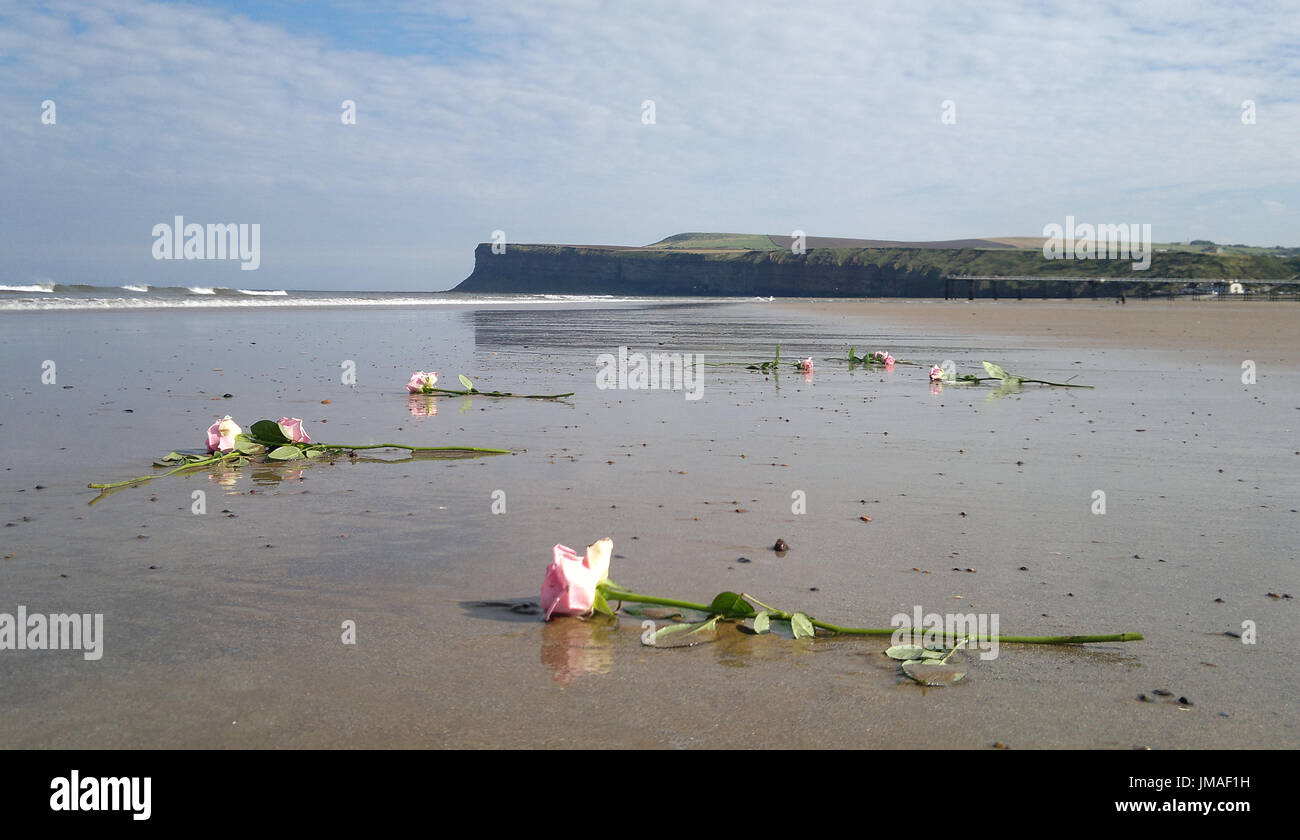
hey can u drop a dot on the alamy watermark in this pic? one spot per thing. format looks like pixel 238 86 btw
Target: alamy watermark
pixel 1098 242
pixel 53 631
pixel 180 241
pixel 654 371
pixel 933 629
pixel 75 792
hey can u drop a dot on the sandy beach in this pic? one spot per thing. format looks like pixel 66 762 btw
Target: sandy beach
pixel 225 629
pixel 1258 330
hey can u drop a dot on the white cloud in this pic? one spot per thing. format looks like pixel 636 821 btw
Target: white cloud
pixel 768 118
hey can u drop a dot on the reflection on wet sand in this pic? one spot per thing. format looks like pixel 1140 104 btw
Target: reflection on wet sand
pixel 422 405
pixel 575 647
pixel 224 477
pixel 572 648
pixel 272 476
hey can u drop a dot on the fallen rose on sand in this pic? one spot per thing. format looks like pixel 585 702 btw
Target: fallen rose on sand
pixel 276 442
pixel 221 435
pixel 995 374
pixel 577 586
pixel 421 381
pixel 292 428
pixel 806 365
pixel 570 586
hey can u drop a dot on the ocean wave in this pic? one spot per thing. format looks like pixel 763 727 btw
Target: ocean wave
pixel 275 293
pixel 42 288
pixel 136 288
pixel 309 300
pixel 201 290
pixel 217 302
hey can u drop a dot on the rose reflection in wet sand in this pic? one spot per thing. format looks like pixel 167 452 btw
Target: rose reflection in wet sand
pixel 423 405
pixel 572 648
pixel 226 478
pixel 275 476
pixel 936 387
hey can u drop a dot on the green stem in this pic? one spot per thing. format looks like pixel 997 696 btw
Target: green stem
pixel 1057 384
pixel 400 446
pixel 215 459
pixel 973 379
pixel 956 647
pixel 620 595
pixel 477 393
pixel 767 364
pixel 870 362
pixel 613 594
pixel 192 465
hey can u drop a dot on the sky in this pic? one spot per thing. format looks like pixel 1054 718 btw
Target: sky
pixel 909 120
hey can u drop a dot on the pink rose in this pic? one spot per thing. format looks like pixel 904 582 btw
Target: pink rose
pixel 936 374
pixel 221 435
pixel 888 360
pixel 806 365
pixel 293 428
pixel 570 584
pixel 421 380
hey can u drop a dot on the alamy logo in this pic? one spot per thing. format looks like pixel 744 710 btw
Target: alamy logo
pixel 55 631
pixel 180 241
pixel 657 371
pixel 1099 242
pixel 933 629
pixel 120 793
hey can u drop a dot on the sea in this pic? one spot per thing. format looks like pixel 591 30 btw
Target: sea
pixel 44 297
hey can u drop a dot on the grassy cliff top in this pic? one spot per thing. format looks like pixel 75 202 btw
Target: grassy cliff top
pixel 766 242
pixel 773 242
pixel 716 242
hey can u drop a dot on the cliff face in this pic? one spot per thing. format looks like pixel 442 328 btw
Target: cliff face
pixel 568 270
pixel 825 272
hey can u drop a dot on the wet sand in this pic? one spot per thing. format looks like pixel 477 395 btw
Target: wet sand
pixel 1258 330
pixel 225 630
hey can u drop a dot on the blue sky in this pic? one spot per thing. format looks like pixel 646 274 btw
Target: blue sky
pixel 527 117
